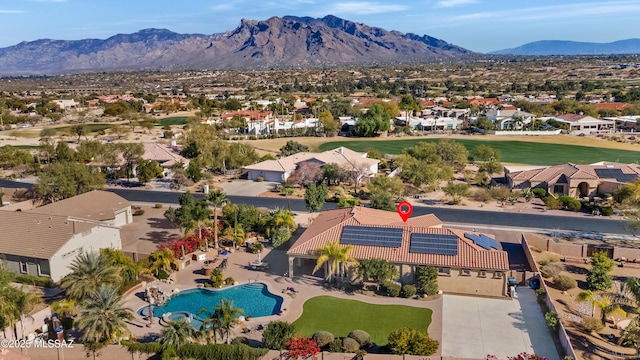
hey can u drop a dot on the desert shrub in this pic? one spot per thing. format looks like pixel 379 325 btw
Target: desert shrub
pixel 564 282
pixel 239 340
pixel 162 275
pixel 323 338
pixel 350 345
pixel 552 320
pixel 407 291
pixel 253 137
pixel 565 199
pixel 361 336
pixel 158 206
pixel 138 212
pixel 573 205
pixel 392 289
pixel 34 280
pixel 336 345
pixel 481 194
pixel 541 296
pixel 260 179
pixel 229 281
pixel 548 260
pixel 360 354
pixel 539 192
pixel 552 203
pixel 606 211
pixel 590 324
pixel 552 269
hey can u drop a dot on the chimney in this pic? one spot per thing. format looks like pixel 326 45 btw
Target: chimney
pixel 341 150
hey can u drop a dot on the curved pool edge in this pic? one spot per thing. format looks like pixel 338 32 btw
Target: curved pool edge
pixel 284 303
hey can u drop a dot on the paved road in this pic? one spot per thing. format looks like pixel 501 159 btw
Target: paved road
pixel 447 215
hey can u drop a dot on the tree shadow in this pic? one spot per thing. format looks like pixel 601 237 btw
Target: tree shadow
pixel 575 269
pixel 159 237
pixel 160 223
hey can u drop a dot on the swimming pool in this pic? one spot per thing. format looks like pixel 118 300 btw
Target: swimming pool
pixel 255 299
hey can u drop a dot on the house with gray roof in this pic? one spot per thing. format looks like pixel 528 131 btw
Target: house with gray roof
pixel 45 245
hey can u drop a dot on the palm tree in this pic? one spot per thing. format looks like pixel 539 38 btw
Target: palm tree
pixel 216 198
pixel 234 234
pixel 223 318
pixel 88 271
pixel 588 295
pixel 102 319
pixel 280 218
pixel 176 333
pixel 199 217
pixel 632 287
pixel 334 255
pixel 161 260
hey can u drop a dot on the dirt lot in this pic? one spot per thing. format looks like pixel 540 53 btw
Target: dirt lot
pixel 600 345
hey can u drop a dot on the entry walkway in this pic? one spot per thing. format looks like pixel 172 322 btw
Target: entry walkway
pixel 476 327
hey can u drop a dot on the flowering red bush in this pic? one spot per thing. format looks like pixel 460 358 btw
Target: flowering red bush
pixel 190 243
pixel 301 347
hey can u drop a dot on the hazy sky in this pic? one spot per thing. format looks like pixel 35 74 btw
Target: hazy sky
pixel 479 25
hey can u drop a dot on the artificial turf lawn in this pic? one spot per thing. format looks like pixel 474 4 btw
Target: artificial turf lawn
pixel 514 152
pixel 341 316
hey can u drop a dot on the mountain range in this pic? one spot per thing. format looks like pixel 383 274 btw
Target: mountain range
pixel 287 42
pixel 560 47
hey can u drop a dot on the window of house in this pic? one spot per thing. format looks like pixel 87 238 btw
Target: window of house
pixel 23 267
pixel 558 189
pixel 43 269
pixel 497 275
pixel 465 272
pixel 482 273
pixel 444 271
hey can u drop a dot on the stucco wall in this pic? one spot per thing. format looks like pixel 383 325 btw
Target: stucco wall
pixel 123 217
pixel 99 237
pixel 472 284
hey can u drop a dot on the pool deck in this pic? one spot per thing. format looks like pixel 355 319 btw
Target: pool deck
pixel 306 287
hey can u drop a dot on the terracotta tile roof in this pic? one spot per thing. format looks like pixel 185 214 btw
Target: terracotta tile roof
pixel 37 235
pixel 619 106
pixel 95 205
pixel 329 224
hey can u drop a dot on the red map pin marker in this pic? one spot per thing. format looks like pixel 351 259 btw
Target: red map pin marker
pixel 404 210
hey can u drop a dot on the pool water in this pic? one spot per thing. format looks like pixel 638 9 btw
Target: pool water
pixel 255 299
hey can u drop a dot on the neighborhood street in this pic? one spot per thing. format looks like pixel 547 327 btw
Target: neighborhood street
pixel 586 224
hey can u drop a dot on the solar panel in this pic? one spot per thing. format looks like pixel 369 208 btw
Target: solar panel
pixel 371 236
pixel 483 241
pixel 615 174
pixel 438 244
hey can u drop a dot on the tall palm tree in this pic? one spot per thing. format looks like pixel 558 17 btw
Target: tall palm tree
pixel 216 198
pixel 161 260
pixel 334 255
pixel 102 319
pixel 88 271
pixel 223 318
pixel 176 333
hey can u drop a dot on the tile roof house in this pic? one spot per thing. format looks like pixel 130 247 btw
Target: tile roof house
pixel 280 169
pixel 618 106
pixel 467 267
pixel 584 124
pixel 574 180
pixel 45 245
pixel 166 156
pixel 97 205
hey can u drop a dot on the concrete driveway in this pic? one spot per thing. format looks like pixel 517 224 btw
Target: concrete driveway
pixel 474 327
pixel 246 187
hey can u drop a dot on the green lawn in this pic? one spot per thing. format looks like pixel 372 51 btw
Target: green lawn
pixel 341 316
pixel 515 152
pixel 177 120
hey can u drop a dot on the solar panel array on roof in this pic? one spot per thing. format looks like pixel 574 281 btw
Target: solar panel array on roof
pixel 438 244
pixel 483 241
pixel 615 174
pixel 371 236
